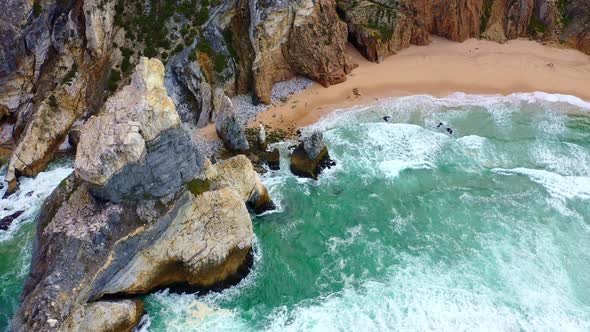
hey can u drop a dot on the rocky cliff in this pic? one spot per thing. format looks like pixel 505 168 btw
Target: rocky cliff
pixel 382 27
pixel 185 223
pixel 61 60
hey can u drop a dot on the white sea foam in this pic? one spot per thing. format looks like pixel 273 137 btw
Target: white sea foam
pixel 566 187
pixel 30 195
pixel 499 105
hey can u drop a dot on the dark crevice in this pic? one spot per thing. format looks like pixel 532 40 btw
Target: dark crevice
pixel 186 288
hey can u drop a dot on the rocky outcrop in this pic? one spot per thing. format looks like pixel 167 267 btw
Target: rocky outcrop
pixel 108 316
pixel 311 156
pixel 48 77
pixel 274 160
pixel 7 220
pixel 302 37
pixel 139 213
pixel 199 237
pixel 379 29
pixel 135 147
pixel 230 129
pixel 382 27
pixel 575 18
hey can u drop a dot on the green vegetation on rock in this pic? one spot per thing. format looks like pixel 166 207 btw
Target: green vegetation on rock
pixel 485 17
pixel 220 62
pixel 562 7
pixel 198 186
pixel 114 79
pixel 37 8
pixel 536 25
pixel 70 75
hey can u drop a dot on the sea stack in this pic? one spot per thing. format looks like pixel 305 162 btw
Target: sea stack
pixel 311 156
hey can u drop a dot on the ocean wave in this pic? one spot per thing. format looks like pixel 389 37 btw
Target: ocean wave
pixel 30 196
pixel 496 103
pixel 567 187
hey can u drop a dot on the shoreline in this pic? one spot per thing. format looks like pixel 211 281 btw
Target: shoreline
pixel 439 69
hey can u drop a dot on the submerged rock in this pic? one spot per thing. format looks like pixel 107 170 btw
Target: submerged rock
pixel 311 156
pixel 7 221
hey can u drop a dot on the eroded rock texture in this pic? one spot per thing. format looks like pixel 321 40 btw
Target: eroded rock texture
pixel 311 156
pixel 135 147
pixel 230 129
pixel 49 75
pixel 382 27
pixel 139 213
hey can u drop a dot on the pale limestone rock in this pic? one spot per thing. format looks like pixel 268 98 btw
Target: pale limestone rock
pixel 47 129
pixel 99 19
pixel 238 173
pixel 207 241
pixel 230 129
pixel 136 114
pixel 106 316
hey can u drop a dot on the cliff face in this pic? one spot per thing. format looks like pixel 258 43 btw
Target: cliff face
pixel 60 60
pixel 51 74
pixel 382 27
pixel 302 37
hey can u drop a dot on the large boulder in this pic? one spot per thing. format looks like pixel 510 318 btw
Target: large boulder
pixel 135 147
pixel 300 37
pixel 311 156
pixel 230 129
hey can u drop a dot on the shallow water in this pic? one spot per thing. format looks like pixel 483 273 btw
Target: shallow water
pixel 414 229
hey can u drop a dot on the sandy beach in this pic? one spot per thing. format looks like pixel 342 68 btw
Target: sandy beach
pixel 439 69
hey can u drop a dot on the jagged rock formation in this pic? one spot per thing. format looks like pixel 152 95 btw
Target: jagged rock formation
pixel 135 147
pixel 49 77
pixel 379 29
pixel 274 160
pixel 229 128
pixel 302 37
pixel 57 56
pixel 311 156
pixel 111 230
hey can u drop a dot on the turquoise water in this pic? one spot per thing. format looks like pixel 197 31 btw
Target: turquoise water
pixel 16 243
pixel 415 229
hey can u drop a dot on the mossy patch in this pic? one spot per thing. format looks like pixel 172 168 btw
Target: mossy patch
pixel 562 7
pixel 485 17
pixel 198 186
pixel 536 25
pixel 70 75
